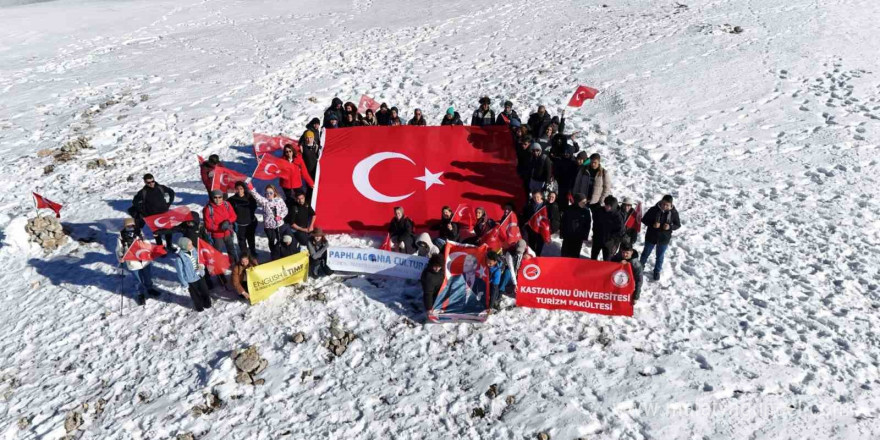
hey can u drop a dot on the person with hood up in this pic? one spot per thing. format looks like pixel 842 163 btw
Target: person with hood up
pixel 142 270
pixel 451 117
pixel 448 229
pixel 274 211
pixel 628 255
pixel 191 274
pixel 369 119
pixel 483 115
pixel 660 220
pixel 297 172
pixel 245 206
pixel 288 246
pixel 318 267
pixel 592 180
pixel 432 280
pixel 207 171
pixel 575 228
pixel 383 116
pixel 333 121
pixel 533 238
pixel 417 119
pixel 220 219
pixel 508 115
pixel 539 121
pixel 239 274
pixel 553 211
pixel 401 232
pixel 607 230
pixel 394 119
pixel 153 199
pixel 335 111
pixel 627 209
pixel 424 246
pixel 540 170
pixel 314 126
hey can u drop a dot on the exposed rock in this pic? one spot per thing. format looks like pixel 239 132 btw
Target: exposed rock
pixel 46 152
pixel 510 400
pixel 243 378
pixel 249 363
pixel 96 163
pixel 186 436
pixel 24 423
pixel 46 231
pixel 48 169
pixel 144 97
pixel 492 392
pixel 543 436
pixel 339 340
pixel 313 99
pixel 478 413
pixel 73 421
pixel 298 338
pixel 212 403
pixel 259 382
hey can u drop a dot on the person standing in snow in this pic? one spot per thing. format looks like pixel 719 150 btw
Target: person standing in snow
pixel 207 171
pixel 335 111
pixel 297 172
pixel 245 207
pixel 239 274
pixel 432 280
pixel 496 278
pixel 533 238
pixel 565 171
pixel 302 220
pixel 483 115
pixel 592 180
pixel 274 212
pixel 369 119
pixel 191 274
pixel 448 229
pixel 451 117
pixel 417 119
pixel 351 109
pixel 194 229
pixel 660 220
pixel 575 228
pixel 400 231
pixel 607 230
pixel 508 115
pixel 314 126
pixel 539 121
pixel 628 255
pixel 540 170
pixel 142 270
pixel 383 116
pixel 311 153
pixel 153 199
pixel 318 267
pixel 627 209
pixel 220 219
pixel 553 212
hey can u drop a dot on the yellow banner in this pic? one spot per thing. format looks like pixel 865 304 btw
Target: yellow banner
pixel 265 279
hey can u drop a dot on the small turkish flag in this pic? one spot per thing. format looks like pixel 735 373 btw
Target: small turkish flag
pixel 264 143
pixel 510 230
pixel 635 219
pixel 224 179
pixel 386 245
pixel 367 103
pixel 270 167
pixel 168 220
pixel 582 94
pixel 43 202
pixel 540 223
pixel 215 261
pixel 141 250
pixel 465 215
pixel 493 238
pixel 201 159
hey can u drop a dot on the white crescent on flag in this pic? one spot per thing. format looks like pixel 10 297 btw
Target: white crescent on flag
pixel 361 177
pixel 138 253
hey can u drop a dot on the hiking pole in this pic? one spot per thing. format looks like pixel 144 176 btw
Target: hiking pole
pixel 119 290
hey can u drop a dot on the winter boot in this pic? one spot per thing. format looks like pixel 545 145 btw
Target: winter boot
pixel 153 292
pixel 656 276
pixel 140 299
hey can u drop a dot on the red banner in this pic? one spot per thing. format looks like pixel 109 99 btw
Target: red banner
pixel 576 284
pixel 141 250
pixel 365 171
pixel 168 220
pixel 464 295
pixel 224 179
pixel 215 262
pixel 43 202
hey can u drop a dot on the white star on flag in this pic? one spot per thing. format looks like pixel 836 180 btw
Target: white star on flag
pixel 431 179
pixel 482 271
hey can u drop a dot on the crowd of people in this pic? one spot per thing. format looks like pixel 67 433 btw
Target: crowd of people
pixel 573 185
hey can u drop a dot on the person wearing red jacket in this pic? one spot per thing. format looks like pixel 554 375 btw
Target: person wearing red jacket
pixel 220 219
pixel 207 171
pixel 295 178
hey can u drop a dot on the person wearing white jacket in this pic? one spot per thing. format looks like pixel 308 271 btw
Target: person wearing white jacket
pixel 141 269
pixel 274 211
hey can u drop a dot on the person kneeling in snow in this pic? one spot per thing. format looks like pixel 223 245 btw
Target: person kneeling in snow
pixel 191 274
pixel 424 247
pixel 142 270
pixel 432 280
pixel 239 274
pixel 288 246
pixel 318 255
pixel 400 230
pixel 628 255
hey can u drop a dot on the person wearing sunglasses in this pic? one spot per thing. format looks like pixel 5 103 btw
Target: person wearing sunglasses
pixel 153 199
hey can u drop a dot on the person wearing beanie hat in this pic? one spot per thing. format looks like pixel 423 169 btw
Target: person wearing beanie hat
pixel 451 117
pixel 483 116
pixel 142 270
pixel 632 220
pixel 318 255
pixel 628 255
pixel 540 170
pixel 418 119
pixel 287 246
pixel 191 273
pixel 314 126
pixel 311 152
pixel 660 220
pixel 608 229
pixel 576 222
pixel 206 169
pixel 220 220
pixel 333 112
pixel 432 280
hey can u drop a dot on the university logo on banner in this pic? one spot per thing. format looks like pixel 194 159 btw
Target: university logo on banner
pixel 576 284
pixel 169 219
pixel 265 279
pixel 376 262
pixel 369 170
pixel 464 295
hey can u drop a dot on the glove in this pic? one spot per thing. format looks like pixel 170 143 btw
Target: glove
pixel 225 225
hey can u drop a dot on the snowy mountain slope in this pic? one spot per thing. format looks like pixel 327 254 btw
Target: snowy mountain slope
pixel 763 326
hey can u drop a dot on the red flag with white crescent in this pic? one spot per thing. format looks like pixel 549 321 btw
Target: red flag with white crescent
pixel 367 103
pixel 270 167
pixel 465 292
pixel 215 262
pixel 465 215
pixel 169 219
pixel 540 223
pixel 582 94
pixel 264 144
pixel 224 179
pixel 43 202
pixel 366 171
pixel 634 221
pixel 510 229
pixel 141 250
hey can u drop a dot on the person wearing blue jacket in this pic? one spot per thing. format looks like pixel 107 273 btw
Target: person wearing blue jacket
pixel 191 274
pixel 497 280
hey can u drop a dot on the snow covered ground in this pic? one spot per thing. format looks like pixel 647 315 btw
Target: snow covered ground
pixel 764 325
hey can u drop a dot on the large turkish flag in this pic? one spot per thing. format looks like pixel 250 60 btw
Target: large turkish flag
pixel 366 171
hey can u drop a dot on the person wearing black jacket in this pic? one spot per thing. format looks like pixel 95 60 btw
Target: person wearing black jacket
pixel 540 169
pixel 660 220
pixel 508 115
pixel 401 231
pixel 483 116
pixel 318 255
pixel 539 121
pixel 311 153
pixel 448 229
pixel 575 228
pixel 628 255
pixel 302 220
pixel 451 117
pixel 608 230
pixel 432 280
pixel 553 211
pixel 153 199
pixel 245 207
pixel 565 170
pixel 335 109
pixel 383 116
pixel 313 126
pixel 417 119
pixel 532 237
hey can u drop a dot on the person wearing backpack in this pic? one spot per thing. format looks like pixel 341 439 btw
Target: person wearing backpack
pixel 153 199
pixel 219 218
